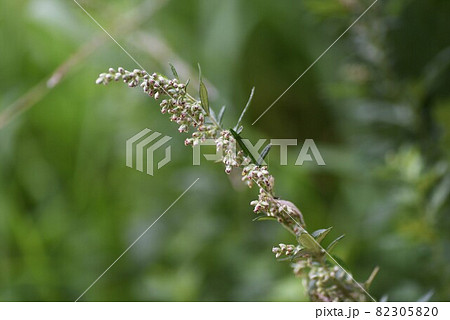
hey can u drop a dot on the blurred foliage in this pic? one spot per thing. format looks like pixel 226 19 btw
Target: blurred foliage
pixel 377 104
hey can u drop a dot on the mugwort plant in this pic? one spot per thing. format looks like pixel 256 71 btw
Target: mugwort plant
pixel 323 277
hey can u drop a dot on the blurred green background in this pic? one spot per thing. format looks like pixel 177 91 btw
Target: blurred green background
pixel 377 105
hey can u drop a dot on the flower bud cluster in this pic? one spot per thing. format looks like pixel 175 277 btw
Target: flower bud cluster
pixel 331 284
pixel 286 214
pixel 204 132
pixel 132 78
pixel 258 174
pixel 183 110
pixel 290 212
pixel 301 267
pixel 226 145
pixel 288 250
pixel 265 204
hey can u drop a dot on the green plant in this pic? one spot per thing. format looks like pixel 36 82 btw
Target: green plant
pixel 324 278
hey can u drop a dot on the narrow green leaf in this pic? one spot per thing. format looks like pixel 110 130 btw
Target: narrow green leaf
pixel 245 109
pixel 264 218
pixel 220 116
pixel 204 97
pixel 213 114
pixel 174 71
pixel 320 234
pixel 239 130
pixel 263 154
pixel 242 145
pixel 203 92
pixel 309 243
pixel 335 241
pixel 371 277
